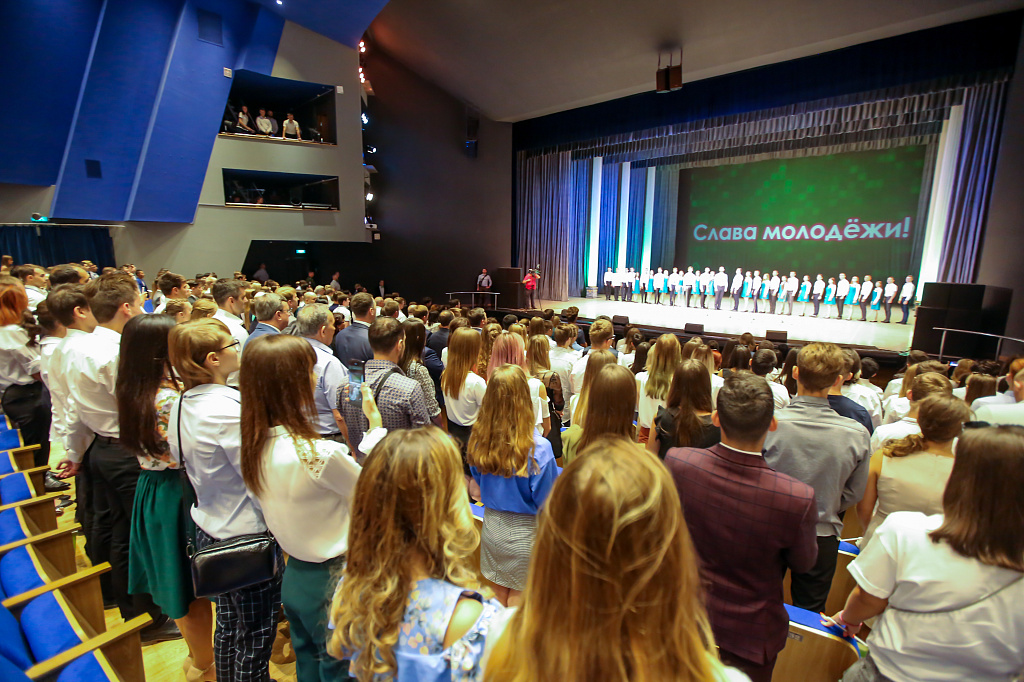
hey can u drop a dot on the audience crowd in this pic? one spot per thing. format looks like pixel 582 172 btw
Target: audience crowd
pixel 642 499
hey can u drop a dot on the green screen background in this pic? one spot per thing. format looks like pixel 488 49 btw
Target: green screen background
pixel 875 186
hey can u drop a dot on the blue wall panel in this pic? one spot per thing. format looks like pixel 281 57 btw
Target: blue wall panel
pixel 260 53
pixel 119 95
pixel 190 106
pixel 44 47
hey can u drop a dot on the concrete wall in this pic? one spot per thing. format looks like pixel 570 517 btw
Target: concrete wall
pixel 218 238
pixel 1001 251
pixel 19 202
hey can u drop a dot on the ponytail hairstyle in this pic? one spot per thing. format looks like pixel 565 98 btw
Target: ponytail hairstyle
pixel 941 418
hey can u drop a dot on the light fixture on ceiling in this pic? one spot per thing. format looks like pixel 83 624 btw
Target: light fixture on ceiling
pixel 280 2
pixel 364 118
pixel 362 46
pixel 669 78
pixel 369 196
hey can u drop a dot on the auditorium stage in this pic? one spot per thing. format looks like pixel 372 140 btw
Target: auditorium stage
pixel 893 336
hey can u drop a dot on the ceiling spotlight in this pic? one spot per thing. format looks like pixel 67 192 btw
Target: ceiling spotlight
pixel 369 196
pixel 365 119
pixel 362 46
pixel 280 2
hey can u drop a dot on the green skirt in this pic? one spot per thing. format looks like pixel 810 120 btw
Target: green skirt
pixel 158 564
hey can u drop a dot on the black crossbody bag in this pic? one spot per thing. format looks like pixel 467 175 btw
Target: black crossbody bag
pixel 230 564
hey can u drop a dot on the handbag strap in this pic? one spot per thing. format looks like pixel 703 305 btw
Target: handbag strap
pixel 185 496
pixel 965 606
pixel 384 380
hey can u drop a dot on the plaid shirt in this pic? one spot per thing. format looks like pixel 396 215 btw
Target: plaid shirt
pixel 401 402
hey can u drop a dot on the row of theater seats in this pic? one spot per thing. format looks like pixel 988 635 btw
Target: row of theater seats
pixel 52 625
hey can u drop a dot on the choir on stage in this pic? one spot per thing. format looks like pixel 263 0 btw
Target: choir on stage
pixel 757 293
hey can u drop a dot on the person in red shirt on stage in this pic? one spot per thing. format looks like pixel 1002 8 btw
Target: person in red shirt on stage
pixel 530 281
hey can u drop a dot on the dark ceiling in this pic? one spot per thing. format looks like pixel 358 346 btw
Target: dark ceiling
pixel 517 59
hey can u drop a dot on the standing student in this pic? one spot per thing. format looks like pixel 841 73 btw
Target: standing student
pixel 607 411
pixel 513 465
pixel 646 284
pixel 804 295
pixel 852 296
pixel 906 298
pixel 688 281
pixel 787 291
pixel 26 401
pixel 818 293
pixel 577 404
pixel 315 323
pixel 297 475
pixel 673 286
pixel 705 282
pixel 685 419
pixel 616 573
pixel 749 523
pixel 409 605
pixel 463 389
pixel 828 452
pixel 660 284
pixel 830 297
pixel 947 588
pixel 230 295
pixel 891 289
pixel 866 289
pixel 652 386
pixel 205 435
pixel 721 283
pixel 609 284
pixel 157 562
pixel 842 291
pixel 776 288
pixel 876 300
pixel 412 364
pixel 509 349
pixel 737 289
pixel 756 286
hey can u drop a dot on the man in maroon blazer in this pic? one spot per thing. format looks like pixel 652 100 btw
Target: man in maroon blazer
pixel 749 524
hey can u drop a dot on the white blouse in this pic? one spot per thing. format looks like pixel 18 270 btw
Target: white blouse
pixel 18 362
pixel 465 409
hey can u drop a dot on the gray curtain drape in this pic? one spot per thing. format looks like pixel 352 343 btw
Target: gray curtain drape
pixel 972 182
pixel 545 209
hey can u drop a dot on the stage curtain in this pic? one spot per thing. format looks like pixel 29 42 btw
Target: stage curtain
pixel 543 210
pixel 582 172
pixel 635 221
pixel 607 252
pixel 48 245
pixel 972 182
pixel 666 205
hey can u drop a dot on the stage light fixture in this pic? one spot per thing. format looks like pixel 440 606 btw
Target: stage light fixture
pixel 365 118
pixel 362 46
pixel 280 2
pixel 369 196
pixel 669 78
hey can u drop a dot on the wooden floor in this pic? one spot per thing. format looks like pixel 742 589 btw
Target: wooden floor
pixel 163 661
pixel 894 337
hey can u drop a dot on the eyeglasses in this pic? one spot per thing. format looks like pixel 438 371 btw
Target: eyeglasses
pixel 230 345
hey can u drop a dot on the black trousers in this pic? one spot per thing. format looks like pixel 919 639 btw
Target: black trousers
pixel 115 473
pixel 839 305
pixel 28 406
pixel 888 310
pixel 643 294
pixel 719 293
pixel 757 672
pixel 687 293
pixel 622 291
pixel 607 292
pixel 810 589
pixel 906 312
pixel 531 294
pixel 773 301
pixel 735 300
pixel 817 304
pixel 864 310
pixel 672 295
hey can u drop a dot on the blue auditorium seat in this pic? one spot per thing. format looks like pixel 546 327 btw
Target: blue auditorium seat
pixel 46 624
pixel 92 667
pixel 10 438
pixel 19 572
pixel 10 672
pixel 15 488
pixel 12 642
pixel 11 527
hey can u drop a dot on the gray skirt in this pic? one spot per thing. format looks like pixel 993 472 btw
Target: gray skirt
pixel 506 542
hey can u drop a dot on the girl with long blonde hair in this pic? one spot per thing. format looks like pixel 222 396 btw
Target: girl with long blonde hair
pixel 409 605
pixel 509 350
pixel 462 387
pixel 705 356
pixel 609 406
pixel 653 383
pixel 488 334
pixel 578 403
pixel 514 467
pixel 615 574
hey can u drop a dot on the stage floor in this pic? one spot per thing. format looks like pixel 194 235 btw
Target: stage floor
pixel 893 336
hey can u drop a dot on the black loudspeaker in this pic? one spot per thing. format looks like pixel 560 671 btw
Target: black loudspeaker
pixel 969 307
pixel 693 328
pixel 935 294
pixel 776 336
pixel 508 282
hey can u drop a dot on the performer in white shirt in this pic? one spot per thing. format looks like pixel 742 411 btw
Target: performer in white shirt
pixel 756 284
pixel 609 283
pixel 818 293
pixel 737 289
pixel 689 280
pixel 721 282
pixel 704 282
pixel 645 284
pixel 865 297
pixel 842 289
pixel 623 279
pixel 792 285
pixel 634 278
pixel 230 295
pixel 891 289
pixel 774 290
pixel 673 285
pixel 660 284
pixel 906 298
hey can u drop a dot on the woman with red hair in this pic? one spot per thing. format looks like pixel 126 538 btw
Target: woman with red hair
pixel 25 399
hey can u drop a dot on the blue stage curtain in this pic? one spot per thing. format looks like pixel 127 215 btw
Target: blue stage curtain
pixel 543 210
pixel 666 205
pixel 582 172
pixel 607 252
pixel 635 221
pixel 48 245
pixel 972 182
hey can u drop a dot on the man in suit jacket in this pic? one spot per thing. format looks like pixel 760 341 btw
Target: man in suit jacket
pixel 438 341
pixel 272 315
pixel 749 525
pixel 352 342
